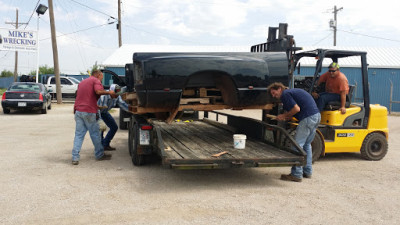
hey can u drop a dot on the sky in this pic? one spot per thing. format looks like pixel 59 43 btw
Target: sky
pixel 87 34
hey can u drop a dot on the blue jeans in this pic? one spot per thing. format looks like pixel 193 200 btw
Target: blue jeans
pixel 110 122
pixel 326 97
pixel 84 122
pixel 305 133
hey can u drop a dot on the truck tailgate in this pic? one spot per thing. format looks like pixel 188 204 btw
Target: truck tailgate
pixel 189 145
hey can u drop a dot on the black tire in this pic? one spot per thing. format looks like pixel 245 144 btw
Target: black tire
pixel 317 144
pixel 137 160
pixel 131 135
pixel 49 107
pixel 122 114
pixel 44 110
pixel 6 111
pixel 374 147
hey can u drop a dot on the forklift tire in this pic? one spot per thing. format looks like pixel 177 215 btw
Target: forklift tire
pixel 317 144
pixel 137 159
pixel 374 147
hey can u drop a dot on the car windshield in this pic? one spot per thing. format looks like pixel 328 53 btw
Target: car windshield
pixel 25 87
pixel 74 80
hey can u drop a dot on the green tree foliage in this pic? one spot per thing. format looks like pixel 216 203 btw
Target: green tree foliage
pixel 43 70
pixel 6 73
pixel 90 70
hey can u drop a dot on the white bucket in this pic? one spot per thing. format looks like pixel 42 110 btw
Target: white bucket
pixel 239 141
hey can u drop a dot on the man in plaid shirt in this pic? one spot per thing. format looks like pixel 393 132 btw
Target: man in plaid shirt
pixel 105 103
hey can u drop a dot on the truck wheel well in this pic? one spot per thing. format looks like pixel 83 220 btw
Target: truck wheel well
pixel 219 80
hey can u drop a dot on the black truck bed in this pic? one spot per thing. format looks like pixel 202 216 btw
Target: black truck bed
pixel 188 145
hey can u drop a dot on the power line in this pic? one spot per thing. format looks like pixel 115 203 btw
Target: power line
pixel 78 31
pixel 370 36
pixel 323 39
pixel 93 9
pixel 86 43
pixel 32 14
pixel 78 46
pixel 160 35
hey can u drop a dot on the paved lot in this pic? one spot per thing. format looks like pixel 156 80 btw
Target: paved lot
pixel 40 186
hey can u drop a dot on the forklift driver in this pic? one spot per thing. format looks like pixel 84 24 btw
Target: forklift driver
pixel 336 88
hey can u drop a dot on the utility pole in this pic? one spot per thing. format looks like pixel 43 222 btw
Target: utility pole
pixel 333 23
pixel 119 24
pixel 16 52
pixel 55 53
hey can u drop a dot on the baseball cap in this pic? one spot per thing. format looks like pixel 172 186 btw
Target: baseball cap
pixel 334 65
pixel 117 89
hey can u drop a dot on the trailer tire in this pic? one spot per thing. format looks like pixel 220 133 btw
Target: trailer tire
pixel 374 147
pixel 122 124
pixel 137 159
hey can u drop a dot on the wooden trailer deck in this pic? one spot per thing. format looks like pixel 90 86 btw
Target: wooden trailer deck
pixel 197 144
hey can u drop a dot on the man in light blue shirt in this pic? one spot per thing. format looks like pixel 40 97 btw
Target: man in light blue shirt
pixel 105 103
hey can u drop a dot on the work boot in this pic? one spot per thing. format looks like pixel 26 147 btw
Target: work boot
pixel 75 162
pixel 307 175
pixel 109 148
pixel 290 177
pixel 104 157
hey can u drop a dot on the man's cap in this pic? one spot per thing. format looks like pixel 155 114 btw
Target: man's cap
pixel 334 65
pixel 117 89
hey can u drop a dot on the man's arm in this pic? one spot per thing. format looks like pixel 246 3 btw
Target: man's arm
pixel 343 102
pixel 104 92
pixel 122 104
pixel 290 114
pixel 320 80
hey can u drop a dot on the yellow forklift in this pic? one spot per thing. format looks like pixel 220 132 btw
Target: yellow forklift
pixel 364 126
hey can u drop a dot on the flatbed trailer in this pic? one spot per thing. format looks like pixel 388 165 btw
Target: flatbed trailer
pixel 208 144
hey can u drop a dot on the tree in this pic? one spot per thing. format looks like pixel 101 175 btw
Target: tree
pixel 43 70
pixel 6 73
pixel 90 70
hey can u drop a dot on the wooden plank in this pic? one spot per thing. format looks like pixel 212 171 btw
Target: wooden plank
pixel 199 107
pixel 193 141
pixel 189 92
pixel 172 116
pixel 179 151
pixel 201 141
pixel 203 92
pixel 129 96
pixel 266 107
pixel 254 148
pixel 180 142
pixel 185 101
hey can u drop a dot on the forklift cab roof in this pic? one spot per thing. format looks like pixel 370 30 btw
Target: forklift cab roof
pixel 329 53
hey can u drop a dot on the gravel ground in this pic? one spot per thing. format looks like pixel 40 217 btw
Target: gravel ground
pixel 40 186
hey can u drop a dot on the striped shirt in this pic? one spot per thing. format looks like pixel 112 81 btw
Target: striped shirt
pixel 108 103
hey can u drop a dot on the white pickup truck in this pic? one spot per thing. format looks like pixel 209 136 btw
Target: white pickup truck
pixel 69 86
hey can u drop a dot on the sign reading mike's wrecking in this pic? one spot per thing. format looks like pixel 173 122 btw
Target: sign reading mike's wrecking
pixel 18 40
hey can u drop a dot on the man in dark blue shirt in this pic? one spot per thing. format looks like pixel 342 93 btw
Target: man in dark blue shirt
pixel 301 105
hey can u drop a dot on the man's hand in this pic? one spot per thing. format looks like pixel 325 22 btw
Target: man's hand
pixel 281 117
pixel 342 110
pixel 112 94
pixel 315 95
